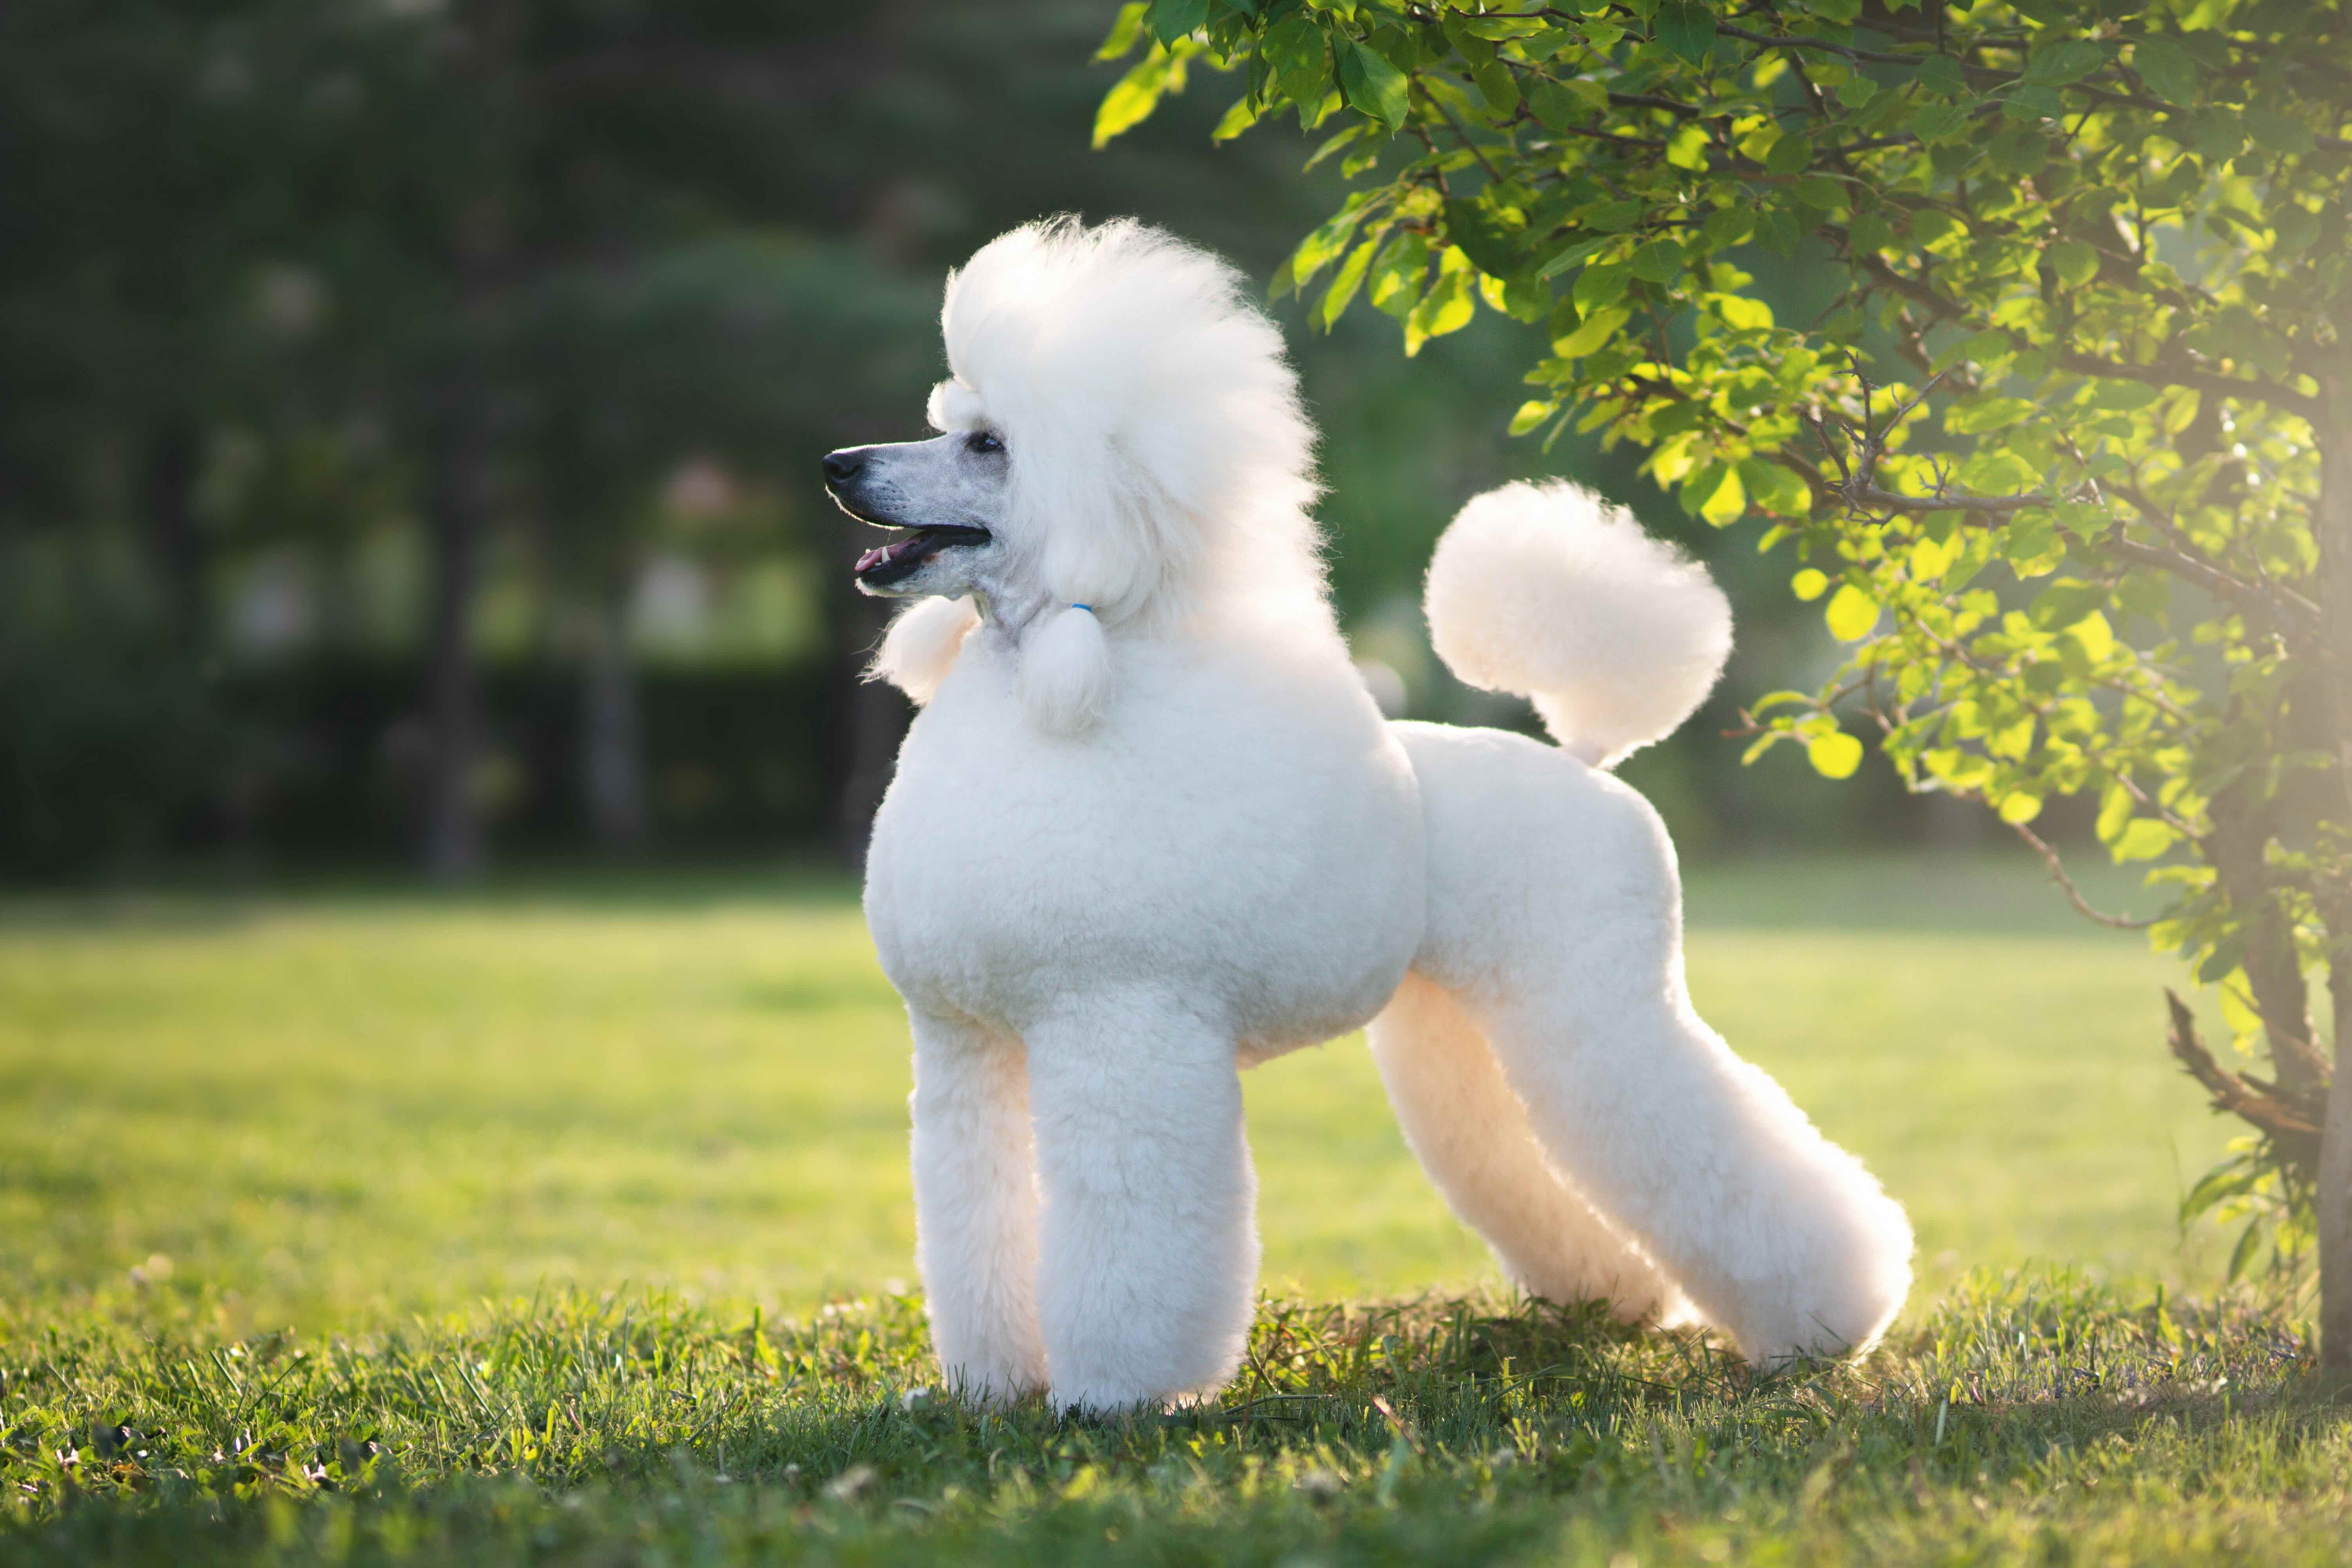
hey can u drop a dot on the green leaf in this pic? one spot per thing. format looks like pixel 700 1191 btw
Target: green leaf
pixel 2033 545
pixel 1174 19
pixel 1789 155
pixel 1297 52
pixel 2115 810
pixel 1779 229
pixel 1483 238
pixel 1660 261
pixel 1337 142
pixel 1852 613
pixel 1398 273
pixel 1125 31
pixel 1497 87
pixel 2066 602
pixel 1501 28
pixel 2274 132
pixel 1531 415
pixel 1982 415
pixel 1810 583
pixel 1595 330
pixel 2168 68
pixel 1686 27
pixel 1132 99
pixel 1575 255
pixel 1728 502
pixel 1616 217
pixel 2248 1243
pixel 1940 121
pixel 2019 808
pixel 2233 1178
pixel 1601 285
pixel 1698 489
pixel 1835 755
pixel 1448 305
pixel 2226 958
pixel 1565 105
pixel 2237 1007
pixel 2145 839
pixel 1774 488
pixel 1686 149
pixel 1240 118
pixel 1942 74
pixel 1742 313
pixel 2095 637
pixel 2060 64
pixel 1929 227
pixel 1727 226
pixel 2020 149
pixel 2075 262
pixel 2124 397
pixel 1320 249
pixel 1819 193
pixel 1344 284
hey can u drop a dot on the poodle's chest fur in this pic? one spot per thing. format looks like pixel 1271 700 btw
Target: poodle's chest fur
pixel 1240 832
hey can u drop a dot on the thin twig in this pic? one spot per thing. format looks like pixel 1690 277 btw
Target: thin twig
pixel 2074 894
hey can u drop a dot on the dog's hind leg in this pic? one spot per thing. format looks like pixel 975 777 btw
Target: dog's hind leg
pixel 1556 917
pixel 976 1206
pixel 1472 1135
pixel 1773 1232
pixel 1150 1244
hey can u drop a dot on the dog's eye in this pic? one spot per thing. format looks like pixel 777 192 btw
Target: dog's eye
pixel 983 441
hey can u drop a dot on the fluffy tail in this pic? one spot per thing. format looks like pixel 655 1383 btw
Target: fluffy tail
pixel 1548 592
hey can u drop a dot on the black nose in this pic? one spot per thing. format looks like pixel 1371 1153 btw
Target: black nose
pixel 844 466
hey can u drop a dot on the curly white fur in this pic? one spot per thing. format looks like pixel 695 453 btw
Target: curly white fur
pixel 1548 592
pixel 1066 675
pixel 1149 830
pixel 1160 452
pixel 922 644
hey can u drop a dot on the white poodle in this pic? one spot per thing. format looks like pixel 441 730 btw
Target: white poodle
pixel 1149 830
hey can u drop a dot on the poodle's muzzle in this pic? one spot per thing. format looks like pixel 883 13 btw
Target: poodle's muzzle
pixel 849 476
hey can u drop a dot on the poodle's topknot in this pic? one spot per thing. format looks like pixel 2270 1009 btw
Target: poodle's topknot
pixel 1158 451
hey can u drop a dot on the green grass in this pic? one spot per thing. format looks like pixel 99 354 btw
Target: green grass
pixel 540 1191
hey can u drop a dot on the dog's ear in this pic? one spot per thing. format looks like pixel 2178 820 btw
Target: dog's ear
pixel 1105 533
pixel 1065 674
pixel 921 645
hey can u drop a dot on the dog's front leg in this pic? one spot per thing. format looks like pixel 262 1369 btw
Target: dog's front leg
pixel 1150 1246
pixel 976 1207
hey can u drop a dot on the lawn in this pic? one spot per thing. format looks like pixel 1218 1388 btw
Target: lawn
pixel 572 1198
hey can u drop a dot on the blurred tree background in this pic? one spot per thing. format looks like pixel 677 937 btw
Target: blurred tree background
pixel 409 413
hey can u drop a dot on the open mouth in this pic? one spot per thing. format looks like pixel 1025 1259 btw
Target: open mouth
pixel 886 563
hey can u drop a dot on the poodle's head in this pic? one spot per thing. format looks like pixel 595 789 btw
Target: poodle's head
pixel 1120 431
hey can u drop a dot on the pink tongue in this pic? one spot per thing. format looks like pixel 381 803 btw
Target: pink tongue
pixel 889 552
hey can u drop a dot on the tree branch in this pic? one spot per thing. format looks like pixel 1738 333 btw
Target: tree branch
pixel 2074 894
pixel 2293 1127
pixel 2176 374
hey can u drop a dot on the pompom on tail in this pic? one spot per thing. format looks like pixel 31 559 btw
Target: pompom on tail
pixel 921 645
pixel 1548 592
pixel 1065 674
